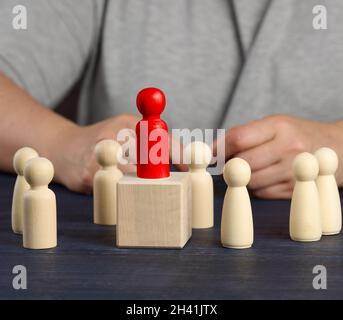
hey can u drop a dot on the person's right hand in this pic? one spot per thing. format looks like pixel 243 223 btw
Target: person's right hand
pixel 270 145
pixel 73 154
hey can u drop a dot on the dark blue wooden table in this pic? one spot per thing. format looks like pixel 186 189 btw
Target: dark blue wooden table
pixel 87 265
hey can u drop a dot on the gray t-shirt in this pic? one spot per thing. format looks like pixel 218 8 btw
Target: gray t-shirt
pixel 221 63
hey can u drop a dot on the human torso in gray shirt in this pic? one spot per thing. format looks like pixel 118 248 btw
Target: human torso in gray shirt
pixel 220 63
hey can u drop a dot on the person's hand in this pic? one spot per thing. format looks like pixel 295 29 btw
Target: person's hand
pixel 73 154
pixel 69 146
pixel 270 145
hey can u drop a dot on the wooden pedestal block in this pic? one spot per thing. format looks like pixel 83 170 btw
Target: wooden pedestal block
pixel 154 212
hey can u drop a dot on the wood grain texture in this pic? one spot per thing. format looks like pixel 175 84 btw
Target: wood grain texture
pixel 154 213
pixel 87 265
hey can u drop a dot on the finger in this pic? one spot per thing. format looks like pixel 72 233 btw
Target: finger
pixel 278 191
pixel 262 156
pixel 218 142
pixel 125 121
pixel 181 167
pixel 127 168
pixel 84 189
pixel 250 135
pixel 271 175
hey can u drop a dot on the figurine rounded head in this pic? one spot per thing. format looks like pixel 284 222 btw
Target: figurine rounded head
pixel 237 172
pixel 198 155
pixel 108 152
pixel 38 172
pixel 21 157
pixel 151 102
pixel 328 161
pixel 305 167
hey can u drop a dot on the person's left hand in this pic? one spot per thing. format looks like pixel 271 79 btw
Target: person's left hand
pixel 270 145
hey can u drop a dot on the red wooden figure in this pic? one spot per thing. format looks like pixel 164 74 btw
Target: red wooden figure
pixel 152 135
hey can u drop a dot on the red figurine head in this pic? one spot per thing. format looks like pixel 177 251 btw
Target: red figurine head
pixel 151 102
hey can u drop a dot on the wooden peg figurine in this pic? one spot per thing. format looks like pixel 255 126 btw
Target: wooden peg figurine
pixel 19 160
pixel 108 153
pixel 305 220
pixel 330 203
pixel 237 229
pixel 199 156
pixel 39 223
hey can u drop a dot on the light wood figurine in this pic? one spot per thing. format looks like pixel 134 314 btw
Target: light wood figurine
pixel 237 230
pixel 19 160
pixel 108 153
pixel 199 156
pixel 330 202
pixel 39 223
pixel 305 221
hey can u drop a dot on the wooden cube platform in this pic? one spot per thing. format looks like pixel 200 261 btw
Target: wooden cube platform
pixel 154 213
